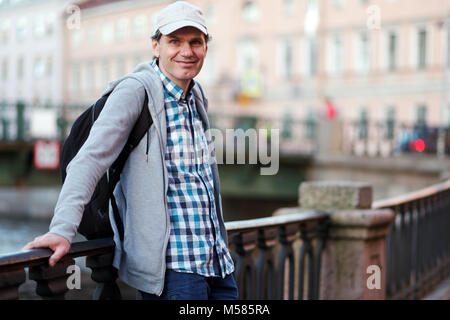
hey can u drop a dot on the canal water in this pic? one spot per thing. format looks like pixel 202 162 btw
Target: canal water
pixel 16 233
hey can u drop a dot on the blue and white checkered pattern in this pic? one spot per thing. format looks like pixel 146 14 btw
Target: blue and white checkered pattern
pixel 194 228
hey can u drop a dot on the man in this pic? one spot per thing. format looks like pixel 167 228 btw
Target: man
pixel 175 241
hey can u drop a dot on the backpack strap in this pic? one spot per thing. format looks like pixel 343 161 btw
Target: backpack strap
pixel 137 133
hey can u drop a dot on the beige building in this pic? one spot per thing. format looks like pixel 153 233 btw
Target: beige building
pixel 31 59
pixel 374 59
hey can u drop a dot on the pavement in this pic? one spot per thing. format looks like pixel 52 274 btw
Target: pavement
pixel 442 292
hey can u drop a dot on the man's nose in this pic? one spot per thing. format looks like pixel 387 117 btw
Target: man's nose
pixel 186 50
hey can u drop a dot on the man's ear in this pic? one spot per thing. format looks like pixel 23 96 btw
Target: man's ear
pixel 155 46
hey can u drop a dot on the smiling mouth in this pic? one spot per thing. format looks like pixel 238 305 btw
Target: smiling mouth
pixel 188 63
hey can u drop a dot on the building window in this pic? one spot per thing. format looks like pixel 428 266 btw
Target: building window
pixel 249 68
pixel 248 54
pixel 107 33
pixel 39 27
pixel 122 29
pixel 422 48
pixel 392 48
pixel 5 27
pixel 286 58
pixel 76 37
pixel 90 33
pixel 446 117
pixel 49 66
pixel 21 29
pixel 390 123
pixel 139 26
pixel 362 53
pixel 153 21
pixel 448 46
pixel 337 4
pixel 250 11
pixel 20 68
pixel 5 69
pixel 310 58
pixel 363 124
pixel 335 54
pixel 210 14
pixel 288 7
pixel 50 22
pixel 39 68
pixel 421 116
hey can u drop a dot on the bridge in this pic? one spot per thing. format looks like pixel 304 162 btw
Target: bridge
pixel 337 243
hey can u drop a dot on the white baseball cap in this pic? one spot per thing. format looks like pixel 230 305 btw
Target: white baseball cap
pixel 178 15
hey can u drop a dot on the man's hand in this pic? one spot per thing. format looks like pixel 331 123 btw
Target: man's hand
pixel 57 243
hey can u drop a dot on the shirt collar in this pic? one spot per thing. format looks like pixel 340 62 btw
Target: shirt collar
pixel 172 89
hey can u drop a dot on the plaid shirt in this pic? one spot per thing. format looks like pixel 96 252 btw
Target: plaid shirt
pixel 194 229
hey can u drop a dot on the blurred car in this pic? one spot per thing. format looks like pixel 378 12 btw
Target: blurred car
pixel 418 140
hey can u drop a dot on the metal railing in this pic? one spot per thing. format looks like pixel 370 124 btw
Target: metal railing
pixel 296 136
pixel 360 137
pixel 267 264
pixel 418 244
pixel 388 138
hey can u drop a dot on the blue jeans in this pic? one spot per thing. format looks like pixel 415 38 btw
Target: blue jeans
pixel 191 286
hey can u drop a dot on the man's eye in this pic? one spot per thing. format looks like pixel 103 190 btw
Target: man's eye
pixel 174 41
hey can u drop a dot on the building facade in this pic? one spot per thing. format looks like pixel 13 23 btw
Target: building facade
pixel 375 59
pixel 31 55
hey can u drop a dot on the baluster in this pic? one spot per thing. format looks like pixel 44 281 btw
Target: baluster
pixel 412 250
pixel 265 280
pixel 105 275
pixel 440 198
pixel 305 250
pixel 322 234
pixel 389 267
pixel 404 251
pixel 244 244
pixel 287 235
pixel 417 252
pixel 9 284
pixel 51 281
pixel 446 234
pixel 397 254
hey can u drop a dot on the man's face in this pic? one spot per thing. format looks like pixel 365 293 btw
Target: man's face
pixel 181 54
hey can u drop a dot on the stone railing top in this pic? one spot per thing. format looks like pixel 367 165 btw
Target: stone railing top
pixel 36 257
pixel 412 196
pixel 367 218
pixel 335 195
pixel 294 216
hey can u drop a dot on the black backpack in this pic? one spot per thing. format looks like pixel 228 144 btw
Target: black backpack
pixel 95 221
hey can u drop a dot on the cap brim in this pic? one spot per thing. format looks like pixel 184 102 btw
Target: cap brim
pixel 171 27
